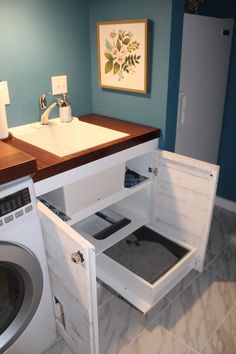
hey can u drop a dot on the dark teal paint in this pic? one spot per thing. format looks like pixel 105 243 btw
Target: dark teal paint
pixel 227 152
pixel 39 39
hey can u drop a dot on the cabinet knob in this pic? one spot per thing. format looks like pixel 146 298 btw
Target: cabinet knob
pixel 77 257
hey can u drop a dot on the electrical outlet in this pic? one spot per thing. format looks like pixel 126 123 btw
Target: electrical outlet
pixel 4 94
pixel 59 84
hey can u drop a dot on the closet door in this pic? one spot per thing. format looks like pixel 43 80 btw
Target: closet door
pixel 72 270
pixel 203 78
pixel 184 194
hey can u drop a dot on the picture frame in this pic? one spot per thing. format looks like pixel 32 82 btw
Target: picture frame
pixel 122 55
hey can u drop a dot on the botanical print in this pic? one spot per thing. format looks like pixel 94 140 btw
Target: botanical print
pixel 122 55
pixel 120 52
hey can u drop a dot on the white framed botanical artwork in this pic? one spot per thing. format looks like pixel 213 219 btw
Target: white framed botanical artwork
pixel 122 55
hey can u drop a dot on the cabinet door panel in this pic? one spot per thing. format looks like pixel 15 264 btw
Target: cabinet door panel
pixel 184 198
pixel 192 198
pixel 73 284
pixel 179 176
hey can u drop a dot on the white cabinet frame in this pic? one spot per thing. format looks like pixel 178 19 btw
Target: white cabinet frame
pixel 181 192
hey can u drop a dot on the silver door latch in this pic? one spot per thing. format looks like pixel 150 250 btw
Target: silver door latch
pixel 152 170
pixel 77 257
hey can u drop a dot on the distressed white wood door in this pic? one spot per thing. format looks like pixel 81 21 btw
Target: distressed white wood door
pixel 73 284
pixel 184 193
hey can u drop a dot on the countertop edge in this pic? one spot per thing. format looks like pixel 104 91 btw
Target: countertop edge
pixel 15 163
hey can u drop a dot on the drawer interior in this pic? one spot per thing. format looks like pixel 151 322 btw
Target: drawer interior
pixel 146 253
pixel 144 266
pixel 136 261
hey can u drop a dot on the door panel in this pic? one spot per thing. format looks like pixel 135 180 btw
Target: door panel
pixel 179 177
pixel 203 79
pixel 194 199
pixel 73 284
pixel 184 209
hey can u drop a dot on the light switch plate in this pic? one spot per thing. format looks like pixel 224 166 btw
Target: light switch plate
pixel 59 84
pixel 4 94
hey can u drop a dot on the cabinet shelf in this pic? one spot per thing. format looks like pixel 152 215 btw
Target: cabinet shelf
pixel 137 220
pixel 111 199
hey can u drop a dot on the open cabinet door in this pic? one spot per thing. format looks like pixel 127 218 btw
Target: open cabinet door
pixel 71 261
pixel 183 202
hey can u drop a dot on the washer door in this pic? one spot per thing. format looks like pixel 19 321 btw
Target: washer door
pixel 21 280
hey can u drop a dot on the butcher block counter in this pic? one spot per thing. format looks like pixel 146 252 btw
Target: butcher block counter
pixel 18 158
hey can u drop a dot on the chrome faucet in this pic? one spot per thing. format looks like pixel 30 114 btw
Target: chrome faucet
pixel 45 109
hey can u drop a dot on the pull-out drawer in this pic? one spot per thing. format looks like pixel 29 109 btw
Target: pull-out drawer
pixel 143 273
pixel 136 261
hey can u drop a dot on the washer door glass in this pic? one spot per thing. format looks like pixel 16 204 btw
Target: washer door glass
pixel 21 287
pixel 11 294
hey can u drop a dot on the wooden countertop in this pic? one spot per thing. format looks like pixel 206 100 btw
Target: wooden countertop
pixel 16 162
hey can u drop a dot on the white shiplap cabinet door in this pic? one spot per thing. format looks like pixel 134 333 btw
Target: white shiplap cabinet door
pixel 73 284
pixel 184 193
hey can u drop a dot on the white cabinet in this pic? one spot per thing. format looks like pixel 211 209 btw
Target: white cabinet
pixel 169 211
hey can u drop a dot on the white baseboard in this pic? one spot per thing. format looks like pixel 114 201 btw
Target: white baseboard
pixel 225 203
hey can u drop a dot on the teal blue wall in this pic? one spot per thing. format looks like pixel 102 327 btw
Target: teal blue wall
pixel 227 153
pixel 39 39
pixel 151 108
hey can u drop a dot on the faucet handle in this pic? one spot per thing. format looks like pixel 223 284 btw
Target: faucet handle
pixel 43 101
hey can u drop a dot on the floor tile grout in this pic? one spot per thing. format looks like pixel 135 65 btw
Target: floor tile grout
pixel 213 258
pixel 215 273
pixel 190 282
pixel 218 275
pixel 214 332
pixel 181 341
pixel 104 302
pixel 144 328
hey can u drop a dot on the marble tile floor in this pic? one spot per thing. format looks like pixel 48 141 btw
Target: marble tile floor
pixel 197 316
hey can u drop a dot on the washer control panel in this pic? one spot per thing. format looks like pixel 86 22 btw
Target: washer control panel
pixel 15 205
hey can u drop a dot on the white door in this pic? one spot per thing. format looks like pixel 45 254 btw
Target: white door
pixel 71 261
pixel 182 205
pixel 184 193
pixel 203 79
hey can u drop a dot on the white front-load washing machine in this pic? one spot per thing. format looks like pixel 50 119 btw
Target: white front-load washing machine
pixel 27 323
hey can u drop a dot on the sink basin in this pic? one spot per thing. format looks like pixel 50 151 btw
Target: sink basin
pixel 64 139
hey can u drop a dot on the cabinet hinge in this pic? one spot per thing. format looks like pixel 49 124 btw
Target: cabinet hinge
pixel 153 170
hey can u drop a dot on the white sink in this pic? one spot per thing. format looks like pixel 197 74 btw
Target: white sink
pixel 64 139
